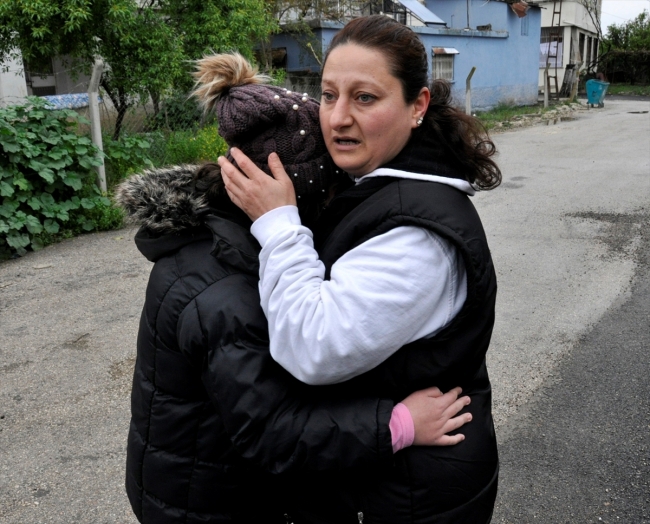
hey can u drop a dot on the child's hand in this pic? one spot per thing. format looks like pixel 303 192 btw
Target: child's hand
pixel 435 414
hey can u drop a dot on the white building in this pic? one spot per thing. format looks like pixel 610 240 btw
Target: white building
pixel 13 88
pixel 56 78
pixel 578 36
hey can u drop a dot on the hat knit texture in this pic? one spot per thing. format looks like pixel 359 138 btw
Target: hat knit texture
pixel 261 119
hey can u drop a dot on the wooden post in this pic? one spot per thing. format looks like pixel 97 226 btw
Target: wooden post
pixel 95 126
pixel 468 92
pixel 576 81
pixel 546 85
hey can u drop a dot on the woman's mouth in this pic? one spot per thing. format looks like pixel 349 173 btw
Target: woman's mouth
pixel 345 141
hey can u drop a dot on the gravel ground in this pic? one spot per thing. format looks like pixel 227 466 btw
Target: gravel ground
pixel 565 235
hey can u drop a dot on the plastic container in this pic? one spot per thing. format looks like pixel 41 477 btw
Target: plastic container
pixel 596 90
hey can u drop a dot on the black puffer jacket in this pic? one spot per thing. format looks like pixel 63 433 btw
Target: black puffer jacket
pixel 212 414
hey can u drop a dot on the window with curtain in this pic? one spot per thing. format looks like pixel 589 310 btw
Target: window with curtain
pixel 443 63
pixel 547 45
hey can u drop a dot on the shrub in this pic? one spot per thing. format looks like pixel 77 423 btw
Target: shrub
pixel 187 147
pixel 180 111
pixel 125 156
pixel 46 178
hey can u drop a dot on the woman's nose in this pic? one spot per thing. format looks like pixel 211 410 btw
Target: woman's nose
pixel 340 115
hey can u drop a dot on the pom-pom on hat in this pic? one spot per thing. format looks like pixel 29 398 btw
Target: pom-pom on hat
pixel 260 119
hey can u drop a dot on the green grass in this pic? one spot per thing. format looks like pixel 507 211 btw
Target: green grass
pixel 627 89
pixel 505 113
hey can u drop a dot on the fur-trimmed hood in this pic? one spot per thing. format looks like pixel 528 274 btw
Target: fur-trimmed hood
pixel 172 214
pixel 162 200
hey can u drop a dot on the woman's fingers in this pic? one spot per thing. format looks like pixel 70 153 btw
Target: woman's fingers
pixel 248 168
pixel 233 179
pixel 278 169
pixel 254 191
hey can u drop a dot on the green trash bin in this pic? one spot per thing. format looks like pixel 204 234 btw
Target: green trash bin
pixel 596 90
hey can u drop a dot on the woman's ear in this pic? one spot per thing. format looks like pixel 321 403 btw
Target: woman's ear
pixel 420 106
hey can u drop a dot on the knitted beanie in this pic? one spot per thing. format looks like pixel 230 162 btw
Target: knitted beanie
pixel 261 119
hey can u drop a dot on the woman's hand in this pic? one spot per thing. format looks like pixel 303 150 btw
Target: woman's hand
pixel 253 190
pixel 434 415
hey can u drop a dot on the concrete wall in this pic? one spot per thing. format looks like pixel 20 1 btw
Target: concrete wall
pixel 13 89
pixel 506 60
pixel 454 13
pixel 573 14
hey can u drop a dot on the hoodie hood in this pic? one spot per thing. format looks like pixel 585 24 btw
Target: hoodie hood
pixel 170 213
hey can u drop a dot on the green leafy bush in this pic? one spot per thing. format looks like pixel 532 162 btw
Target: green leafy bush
pixel 125 156
pixel 180 111
pixel 187 147
pixel 46 178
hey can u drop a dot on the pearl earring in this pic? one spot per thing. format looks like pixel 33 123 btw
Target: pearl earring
pixel 419 121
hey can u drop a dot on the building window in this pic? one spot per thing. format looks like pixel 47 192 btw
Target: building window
pixel 42 69
pixel 443 63
pixel 550 45
pixel 44 90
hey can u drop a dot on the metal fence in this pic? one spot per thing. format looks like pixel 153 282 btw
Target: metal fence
pixel 175 131
pixel 171 130
pixel 175 112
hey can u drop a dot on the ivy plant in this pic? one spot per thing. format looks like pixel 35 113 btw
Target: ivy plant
pixel 46 176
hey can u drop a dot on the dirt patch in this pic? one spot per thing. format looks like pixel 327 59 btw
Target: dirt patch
pixel 14 366
pixel 81 341
pixel 121 369
pixel 621 232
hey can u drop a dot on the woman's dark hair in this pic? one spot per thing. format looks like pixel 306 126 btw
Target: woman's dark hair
pixel 463 139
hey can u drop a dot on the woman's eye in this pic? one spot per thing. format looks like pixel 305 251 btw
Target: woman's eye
pixel 366 98
pixel 327 97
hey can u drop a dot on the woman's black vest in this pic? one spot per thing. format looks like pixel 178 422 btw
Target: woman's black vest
pixel 455 356
pixel 425 484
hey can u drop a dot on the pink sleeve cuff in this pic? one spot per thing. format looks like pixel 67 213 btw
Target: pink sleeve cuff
pixel 402 429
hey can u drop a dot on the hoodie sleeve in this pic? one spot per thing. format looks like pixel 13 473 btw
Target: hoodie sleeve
pixel 272 418
pixel 395 288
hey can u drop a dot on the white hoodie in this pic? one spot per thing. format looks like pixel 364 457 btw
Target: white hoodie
pixel 393 289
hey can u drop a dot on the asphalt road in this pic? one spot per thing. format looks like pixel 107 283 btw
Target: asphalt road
pixel 580 452
pixel 569 360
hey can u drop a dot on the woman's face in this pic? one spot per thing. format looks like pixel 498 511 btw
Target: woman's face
pixel 363 115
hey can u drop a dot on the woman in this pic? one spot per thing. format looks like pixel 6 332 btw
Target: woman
pixel 212 414
pixel 403 293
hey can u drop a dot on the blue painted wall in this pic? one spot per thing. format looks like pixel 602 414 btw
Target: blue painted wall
pixel 506 57
pixel 454 13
